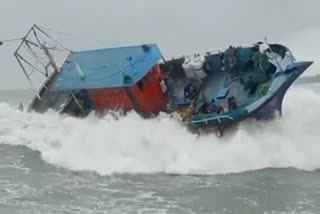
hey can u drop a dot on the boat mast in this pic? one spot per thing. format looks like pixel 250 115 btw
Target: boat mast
pixel 45 48
pixel 35 45
pixel 18 56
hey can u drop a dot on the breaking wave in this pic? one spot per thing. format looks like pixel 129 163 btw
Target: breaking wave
pixel 133 145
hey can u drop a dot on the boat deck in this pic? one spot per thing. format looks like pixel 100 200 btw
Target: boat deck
pixel 220 84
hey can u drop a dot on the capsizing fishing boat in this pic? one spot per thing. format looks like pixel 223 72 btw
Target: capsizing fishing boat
pixel 205 92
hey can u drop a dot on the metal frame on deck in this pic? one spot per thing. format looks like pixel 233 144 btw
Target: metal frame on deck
pixel 34 45
pixel 31 47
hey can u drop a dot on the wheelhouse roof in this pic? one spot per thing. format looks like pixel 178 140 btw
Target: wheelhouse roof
pixel 107 68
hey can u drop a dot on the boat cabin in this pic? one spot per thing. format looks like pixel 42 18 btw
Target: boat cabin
pixel 124 78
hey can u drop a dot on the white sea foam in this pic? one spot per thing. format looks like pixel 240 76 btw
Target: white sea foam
pixel 134 145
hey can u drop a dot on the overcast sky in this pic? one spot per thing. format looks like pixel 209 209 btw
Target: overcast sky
pixel 177 26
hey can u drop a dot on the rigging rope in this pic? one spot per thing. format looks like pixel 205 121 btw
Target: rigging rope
pixel 9 40
pixel 67 36
pixel 73 35
pixel 47 35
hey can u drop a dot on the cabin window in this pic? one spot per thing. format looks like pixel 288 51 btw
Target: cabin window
pixel 146 79
pixel 140 84
pixel 154 69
